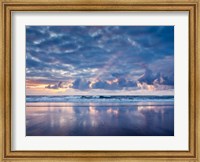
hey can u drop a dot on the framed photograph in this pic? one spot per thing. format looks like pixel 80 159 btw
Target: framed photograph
pixel 100 81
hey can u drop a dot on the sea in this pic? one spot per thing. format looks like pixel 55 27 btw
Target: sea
pixel 99 115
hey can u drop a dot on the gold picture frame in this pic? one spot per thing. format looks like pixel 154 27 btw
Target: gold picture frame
pixel 192 6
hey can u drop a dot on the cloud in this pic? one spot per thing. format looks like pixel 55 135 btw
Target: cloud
pixel 83 54
pixel 155 81
pixel 55 86
pixel 147 77
pixel 81 84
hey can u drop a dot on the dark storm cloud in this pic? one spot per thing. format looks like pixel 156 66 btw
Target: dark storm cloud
pixel 156 79
pixel 104 53
pixel 81 84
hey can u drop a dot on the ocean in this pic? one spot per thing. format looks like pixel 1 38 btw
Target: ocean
pixel 99 115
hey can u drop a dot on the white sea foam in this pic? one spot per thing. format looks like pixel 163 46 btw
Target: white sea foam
pixel 100 99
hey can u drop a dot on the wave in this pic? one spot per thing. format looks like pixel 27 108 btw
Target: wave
pixel 103 99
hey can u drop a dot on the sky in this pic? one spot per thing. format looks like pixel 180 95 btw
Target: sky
pixel 99 60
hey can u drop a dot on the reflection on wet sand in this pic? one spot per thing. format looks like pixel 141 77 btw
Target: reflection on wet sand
pixel 97 120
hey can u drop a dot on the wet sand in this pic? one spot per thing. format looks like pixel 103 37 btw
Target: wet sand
pixel 92 119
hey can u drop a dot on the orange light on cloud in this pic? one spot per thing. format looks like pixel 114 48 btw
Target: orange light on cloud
pixel 146 86
pixel 112 81
pixel 35 85
pixel 68 84
pixel 105 68
pixel 93 82
pixel 35 88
